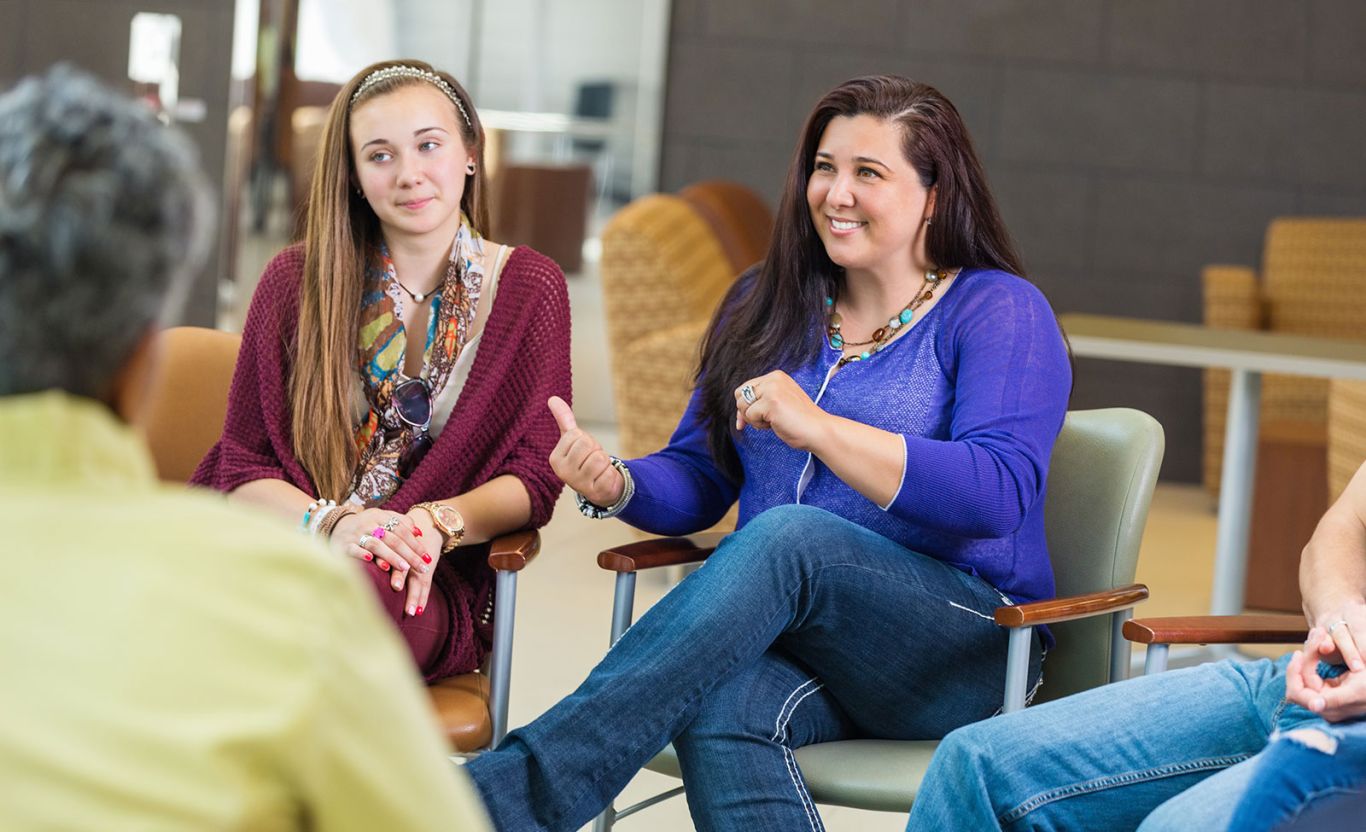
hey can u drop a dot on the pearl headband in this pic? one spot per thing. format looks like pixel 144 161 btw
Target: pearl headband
pixel 401 71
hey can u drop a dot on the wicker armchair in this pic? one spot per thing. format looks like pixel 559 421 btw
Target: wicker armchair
pixel 1346 433
pixel 1313 282
pixel 739 217
pixel 663 273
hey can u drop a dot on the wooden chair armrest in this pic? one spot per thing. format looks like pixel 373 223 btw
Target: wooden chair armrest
pixel 1218 629
pixel 1055 610
pixel 660 551
pixel 512 552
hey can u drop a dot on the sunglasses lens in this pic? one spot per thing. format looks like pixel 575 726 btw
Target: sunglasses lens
pixel 411 457
pixel 413 403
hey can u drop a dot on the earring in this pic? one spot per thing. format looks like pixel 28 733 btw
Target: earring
pixel 929 220
pixel 469 169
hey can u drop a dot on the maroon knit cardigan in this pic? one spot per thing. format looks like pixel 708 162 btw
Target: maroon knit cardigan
pixel 500 424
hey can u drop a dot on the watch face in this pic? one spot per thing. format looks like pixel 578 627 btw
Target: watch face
pixel 451 518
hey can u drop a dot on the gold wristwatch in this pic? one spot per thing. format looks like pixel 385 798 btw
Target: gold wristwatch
pixel 447 521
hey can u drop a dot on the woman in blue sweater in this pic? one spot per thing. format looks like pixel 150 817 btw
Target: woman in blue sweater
pixel 882 394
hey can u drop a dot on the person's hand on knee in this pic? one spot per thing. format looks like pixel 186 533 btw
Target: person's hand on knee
pixel 1336 697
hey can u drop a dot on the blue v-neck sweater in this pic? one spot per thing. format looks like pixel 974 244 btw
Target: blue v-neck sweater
pixel 977 390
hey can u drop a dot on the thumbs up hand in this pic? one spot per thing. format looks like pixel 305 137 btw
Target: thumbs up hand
pixel 581 462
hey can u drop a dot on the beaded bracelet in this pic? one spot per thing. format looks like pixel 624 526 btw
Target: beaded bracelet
pixel 308 515
pixel 597 512
pixel 314 514
pixel 319 516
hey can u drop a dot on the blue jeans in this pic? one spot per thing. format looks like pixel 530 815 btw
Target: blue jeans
pixel 1175 751
pixel 1319 763
pixel 800 628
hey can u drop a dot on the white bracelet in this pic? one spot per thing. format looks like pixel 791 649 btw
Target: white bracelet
pixel 590 509
pixel 318 514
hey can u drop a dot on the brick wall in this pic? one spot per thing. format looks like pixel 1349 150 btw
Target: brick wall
pixel 1129 142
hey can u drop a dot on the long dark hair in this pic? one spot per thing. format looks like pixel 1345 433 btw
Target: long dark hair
pixel 340 227
pixel 771 318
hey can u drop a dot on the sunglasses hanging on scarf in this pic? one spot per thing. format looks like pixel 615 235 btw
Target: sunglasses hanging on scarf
pixel 413 403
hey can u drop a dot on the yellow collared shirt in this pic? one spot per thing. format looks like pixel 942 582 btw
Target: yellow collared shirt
pixel 170 662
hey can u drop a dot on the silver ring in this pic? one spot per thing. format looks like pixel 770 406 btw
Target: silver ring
pixel 747 393
pixel 392 524
pixel 363 540
pixel 1335 625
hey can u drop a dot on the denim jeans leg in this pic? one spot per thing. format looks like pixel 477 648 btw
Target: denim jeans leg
pixel 1315 762
pixel 845 601
pixel 904 647
pixel 737 754
pixel 1207 805
pixel 1104 758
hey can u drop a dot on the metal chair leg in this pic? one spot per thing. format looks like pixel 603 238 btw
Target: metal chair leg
pixel 605 821
pixel 623 604
pixel 623 608
pixel 1156 659
pixel 1017 668
pixel 500 665
pixel 1119 646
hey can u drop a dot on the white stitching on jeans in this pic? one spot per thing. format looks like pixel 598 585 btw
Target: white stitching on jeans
pixel 790 759
pixel 973 611
pixel 808 806
pixel 780 722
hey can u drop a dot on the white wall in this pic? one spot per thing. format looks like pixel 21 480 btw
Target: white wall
pixel 577 41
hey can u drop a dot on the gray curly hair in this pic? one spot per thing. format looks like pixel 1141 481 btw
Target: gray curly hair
pixel 103 218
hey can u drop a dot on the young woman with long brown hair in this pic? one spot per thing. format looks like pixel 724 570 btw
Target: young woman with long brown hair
pixel 389 393
pixel 882 395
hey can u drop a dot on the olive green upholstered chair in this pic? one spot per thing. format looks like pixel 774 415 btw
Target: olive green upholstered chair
pixel 1100 485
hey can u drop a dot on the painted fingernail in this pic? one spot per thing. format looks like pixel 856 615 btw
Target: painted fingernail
pixel 384 565
pixel 367 557
pixel 417 532
pixel 419 610
pixel 426 558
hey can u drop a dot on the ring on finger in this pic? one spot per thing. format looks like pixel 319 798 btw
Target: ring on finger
pixel 747 393
pixel 364 540
pixel 392 524
pixel 1335 625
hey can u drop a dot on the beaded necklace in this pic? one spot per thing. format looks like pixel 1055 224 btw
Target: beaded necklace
pixel 883 334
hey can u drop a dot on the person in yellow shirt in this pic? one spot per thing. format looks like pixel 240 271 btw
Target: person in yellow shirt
pixel 168 662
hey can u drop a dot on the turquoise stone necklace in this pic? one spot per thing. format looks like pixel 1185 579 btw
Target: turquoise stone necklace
pixel 883 334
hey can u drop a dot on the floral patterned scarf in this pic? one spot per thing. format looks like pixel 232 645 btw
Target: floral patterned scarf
pixel 381 435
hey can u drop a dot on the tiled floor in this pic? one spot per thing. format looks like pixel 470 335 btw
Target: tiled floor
pixel 564 600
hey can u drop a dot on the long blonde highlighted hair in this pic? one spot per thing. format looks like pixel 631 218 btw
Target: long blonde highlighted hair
pixel 339 230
